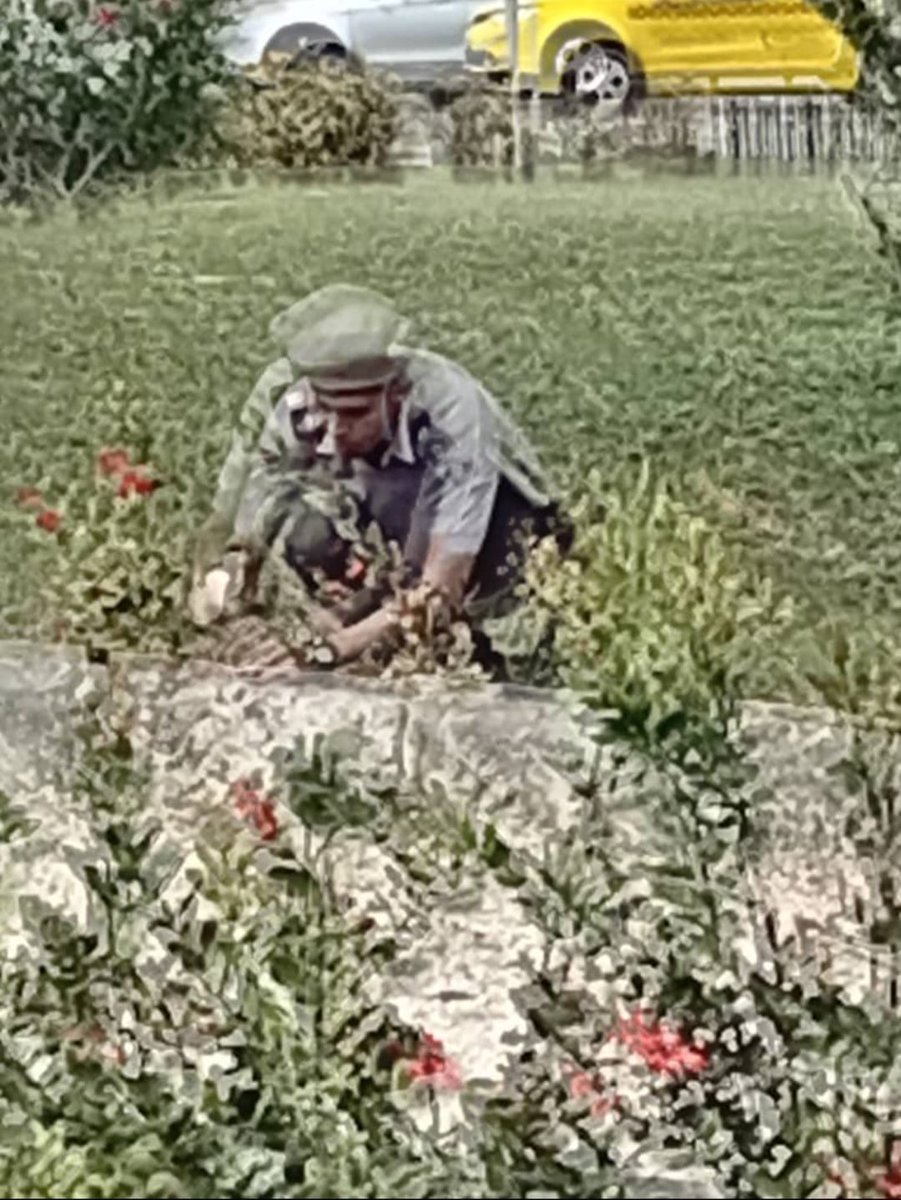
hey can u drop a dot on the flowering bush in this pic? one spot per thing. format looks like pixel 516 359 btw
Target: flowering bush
pixel 203 1081
pixel 208 1032
pixel 89 90
pixel 108 582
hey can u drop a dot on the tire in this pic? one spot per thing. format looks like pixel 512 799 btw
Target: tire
pixel 305 43
pixel 595 72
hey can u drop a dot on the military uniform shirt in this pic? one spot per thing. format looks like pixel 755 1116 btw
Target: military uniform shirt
pixel 438 477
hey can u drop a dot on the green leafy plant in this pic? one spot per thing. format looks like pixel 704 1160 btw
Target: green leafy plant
pixel 482 129
pixel 252 1065
pixel 109 581
pixel 761 1069
pixel 874 31
pixel 89 91
pixel 307 115
pixel 653 614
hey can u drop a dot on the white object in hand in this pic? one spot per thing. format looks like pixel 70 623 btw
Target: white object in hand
pixel 207 600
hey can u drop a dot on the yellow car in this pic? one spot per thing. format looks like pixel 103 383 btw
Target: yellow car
pixel 618 50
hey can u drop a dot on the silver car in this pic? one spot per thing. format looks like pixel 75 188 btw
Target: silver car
pixel 421 41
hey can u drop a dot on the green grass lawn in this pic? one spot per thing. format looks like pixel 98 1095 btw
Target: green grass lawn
pixel 739 328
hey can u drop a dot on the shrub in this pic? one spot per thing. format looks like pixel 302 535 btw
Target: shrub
pixel 90 90
pixel 307 115
pixel 874 29
pixel 652 614
pixel 252 1066
pixel 482 128
pixel 109 581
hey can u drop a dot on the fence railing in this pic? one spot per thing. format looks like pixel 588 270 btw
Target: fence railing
pixel 789 129
pixel 808 131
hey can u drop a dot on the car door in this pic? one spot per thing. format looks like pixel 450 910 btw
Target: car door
pixel 420 40
pixel 707 38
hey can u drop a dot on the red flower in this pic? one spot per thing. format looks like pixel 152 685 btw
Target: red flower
pixel 30 497
pixel 50 520
pixel 602 1105
pixel 889 1184
pixel 114 1053
pixel 266 821
pixel 136 481
pixel 106 17
pixel 249 804
pixel 664 1049
pixel 433 1065
pixel 581 1086
pixel 113 462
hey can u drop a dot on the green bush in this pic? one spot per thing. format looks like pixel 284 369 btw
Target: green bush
pixel 206 1028
pixel 654 614
pixel 310 115
pixel 252 1063
pixel 104 1090
pixel 482 128
pixel 874 29
pixel 88 91
pixel 109 580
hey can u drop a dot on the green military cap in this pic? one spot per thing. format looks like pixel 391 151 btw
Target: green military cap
pixel 341 337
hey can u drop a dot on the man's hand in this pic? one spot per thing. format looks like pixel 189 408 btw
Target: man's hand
pixel 327 624
pixel 353 640
pixel 210 546
pixel 447 574
pixel 444 581
pixel 349 643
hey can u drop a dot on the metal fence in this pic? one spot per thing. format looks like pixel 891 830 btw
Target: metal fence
pixel 789 129
pixel 807 131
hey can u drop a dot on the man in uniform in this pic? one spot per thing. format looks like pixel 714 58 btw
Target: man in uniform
pixel 358 429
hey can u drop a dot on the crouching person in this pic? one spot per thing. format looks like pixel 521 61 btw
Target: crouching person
pixel 359 430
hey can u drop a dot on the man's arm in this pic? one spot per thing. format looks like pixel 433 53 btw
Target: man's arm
pixel 452 516
pixel 444 581
pixel 245 478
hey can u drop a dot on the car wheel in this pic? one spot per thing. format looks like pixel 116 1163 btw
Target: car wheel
pixel 597 72
pixel 334 57
pixel 305 43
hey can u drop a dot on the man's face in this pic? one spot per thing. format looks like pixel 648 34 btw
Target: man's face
pixel 356 420
pixel 362 418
